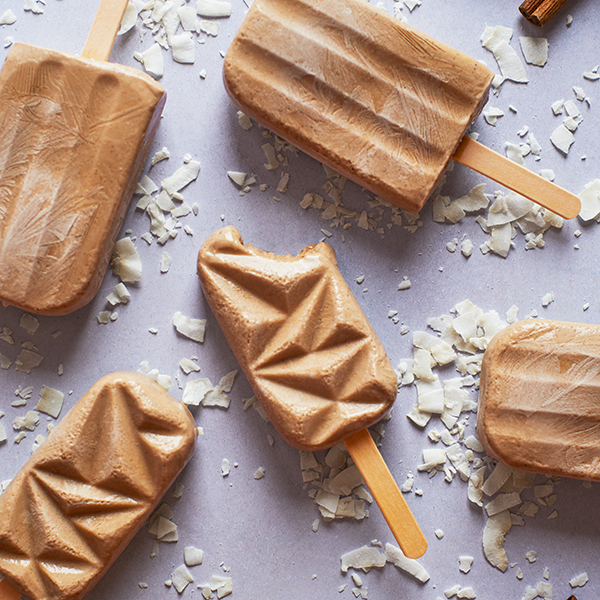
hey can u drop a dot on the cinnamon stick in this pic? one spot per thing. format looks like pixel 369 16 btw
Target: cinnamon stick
pixel 539 12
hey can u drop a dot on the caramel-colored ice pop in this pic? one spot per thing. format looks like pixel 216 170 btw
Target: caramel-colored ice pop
pixel 310 354
pixel 74 135
pixel 538 400
pixel 371 97
pixel 85 492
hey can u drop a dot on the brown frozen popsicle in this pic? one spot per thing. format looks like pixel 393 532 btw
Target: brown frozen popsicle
pixel 310 354
pixel 85 492
pixel 538 400
pixel 371 97
pixel 74 135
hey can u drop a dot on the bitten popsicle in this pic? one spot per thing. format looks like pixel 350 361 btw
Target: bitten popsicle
pixel 84 493
pixel 538 400
pixel 74 135
pixel 310 354
pixel 371 97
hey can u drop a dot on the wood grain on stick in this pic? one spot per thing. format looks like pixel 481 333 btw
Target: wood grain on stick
pixel 104 29
pixel 539 12
pixel 517 178
pixel 7 592
pixel 389 498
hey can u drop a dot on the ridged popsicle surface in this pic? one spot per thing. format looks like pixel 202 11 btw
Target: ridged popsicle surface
pixel 539 401
pixel 373 98
pixel 307 348
pixel 84 493
pixel 74 134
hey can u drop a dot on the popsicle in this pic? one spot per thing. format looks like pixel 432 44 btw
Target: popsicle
pixel 310 354
pixel 538 400
pixel 376 100
pixel 74 134
pixel 84 493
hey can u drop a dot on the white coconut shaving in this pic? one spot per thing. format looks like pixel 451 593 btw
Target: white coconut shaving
pixel 497 40
pixel 29 323
pixel 50 402
pixel 213 8
pixel 152 60
pixel 183 48
pixel 195 391
pixel 165 262
pixel 364 558
pixel 8 17
pixel 181 178
pixel 494 531
pixel 181 578
pixel 535 50
pixel 190 327
pixel 579 581
pixel 33 6
pixel 395 556
pixel 28 360
pixel 126 261
pixel 192 556
pixel 562 139
pixel 590 201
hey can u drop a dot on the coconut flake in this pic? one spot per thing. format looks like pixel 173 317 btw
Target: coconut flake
pixel 562 139
pixel 29 323
pixel 50 402
pixel 129 18
pixel 181 578
pixel 579 581
pixel 491 115
pixel 495 529
pixel 213 8
pixel 395 556
pixel 465 563
pixel 165 262
pixel 363 558
pixel 152 60
pixel 187 173
pixel 183 48
pixel 196 390
pixel 126 261
pixel 28 360
pixel 590 200
pixel 189 327
pixel 34 7
pixel 237 177
pixel 535 50
pixel 8 17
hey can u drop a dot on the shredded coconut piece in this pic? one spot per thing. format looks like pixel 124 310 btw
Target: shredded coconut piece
pixel 363 558
pixel 189 327
pixel 50 402
pixel 395 556
pixel 535 50
pixel 126 261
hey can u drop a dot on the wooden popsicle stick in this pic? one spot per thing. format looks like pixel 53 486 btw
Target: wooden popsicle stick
pixel 389 498
pixel 7 592
pixel 539 12
pixel 104 29
pixel 517 178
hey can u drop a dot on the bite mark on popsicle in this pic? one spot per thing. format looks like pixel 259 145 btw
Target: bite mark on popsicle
pixel 310 354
